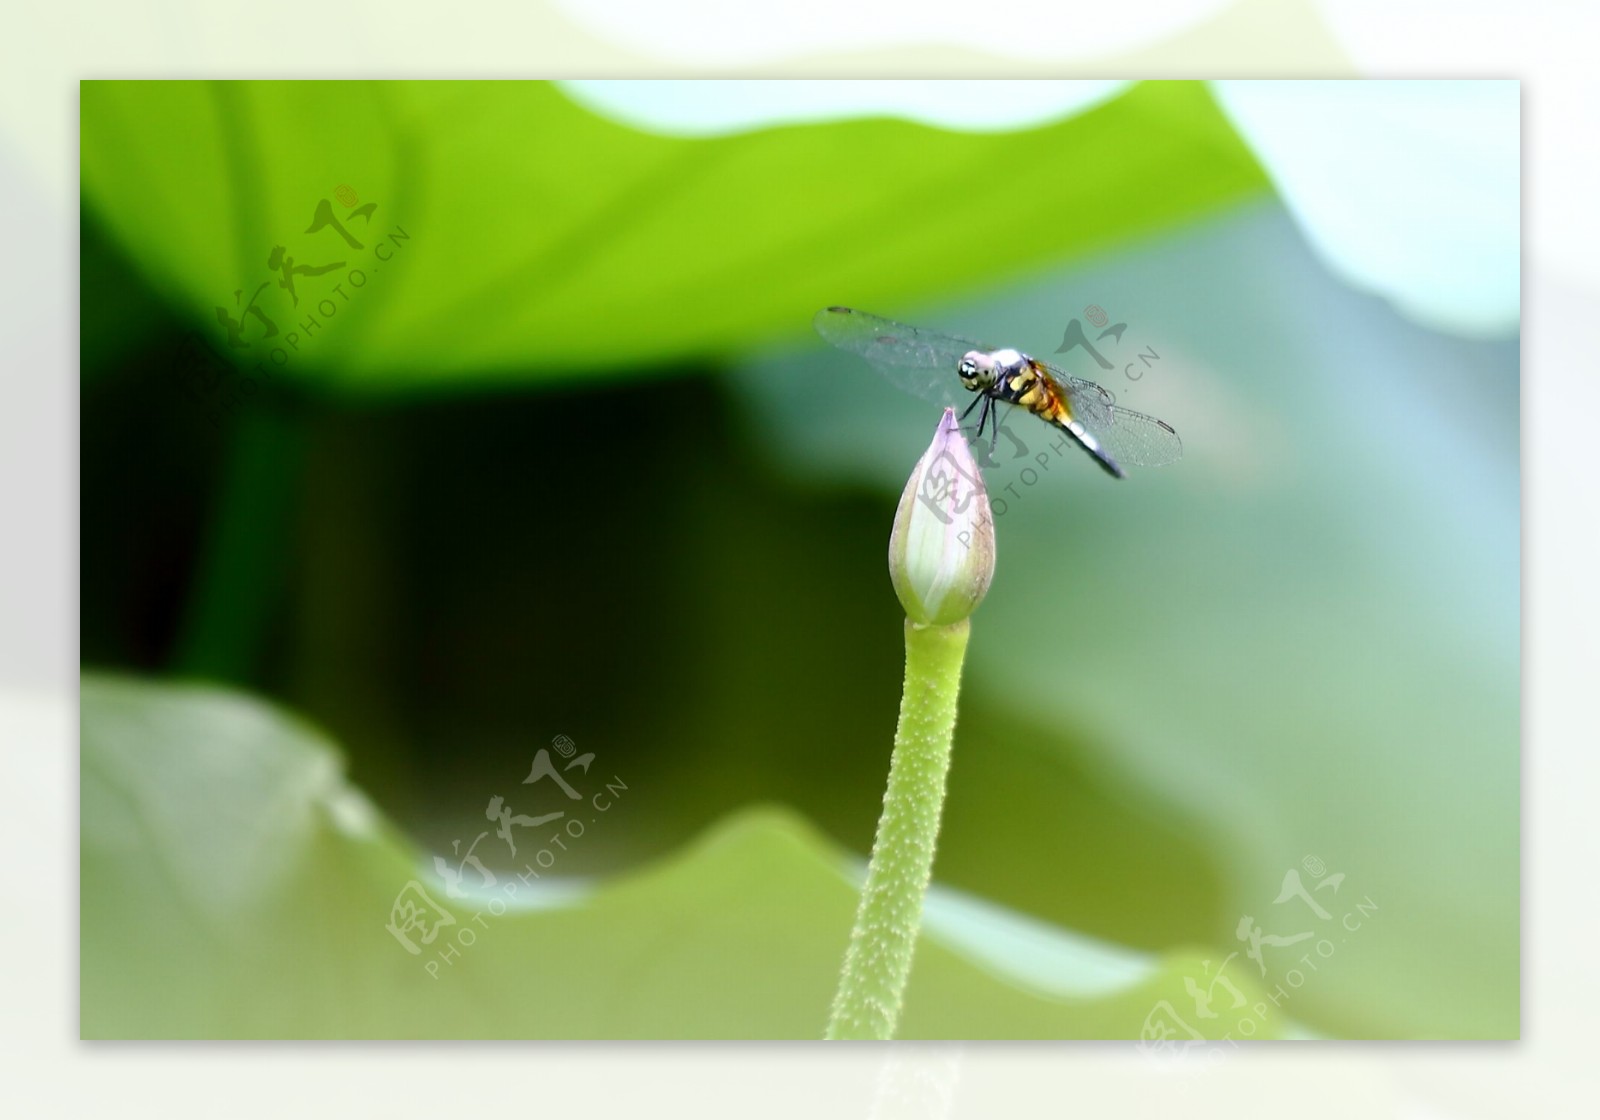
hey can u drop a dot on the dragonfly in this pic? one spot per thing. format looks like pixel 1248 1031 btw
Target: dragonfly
pixel 942 367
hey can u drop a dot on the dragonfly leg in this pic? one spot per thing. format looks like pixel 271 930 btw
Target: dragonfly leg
pixel 983 418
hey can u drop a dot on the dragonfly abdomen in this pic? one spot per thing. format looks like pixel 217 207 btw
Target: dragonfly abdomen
pixel 1032 388
pixel 1081 436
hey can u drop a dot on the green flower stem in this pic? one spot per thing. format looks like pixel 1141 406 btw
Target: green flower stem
pixel 878 961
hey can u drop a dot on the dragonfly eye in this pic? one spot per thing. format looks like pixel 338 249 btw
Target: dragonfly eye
pixel 967 368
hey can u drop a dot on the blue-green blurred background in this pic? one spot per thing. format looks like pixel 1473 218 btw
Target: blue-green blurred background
pixel 568 461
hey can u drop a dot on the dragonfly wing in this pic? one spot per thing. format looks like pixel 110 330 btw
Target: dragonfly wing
pixel 1129 437
pixel 921 362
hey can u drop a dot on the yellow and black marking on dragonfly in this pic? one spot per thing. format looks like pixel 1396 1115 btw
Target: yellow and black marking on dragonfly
pixel 922 362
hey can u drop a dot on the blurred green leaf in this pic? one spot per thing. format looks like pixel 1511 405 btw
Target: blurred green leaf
pixel 233 885
pixel 526 236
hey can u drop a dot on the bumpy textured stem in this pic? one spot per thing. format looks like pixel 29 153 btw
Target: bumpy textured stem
pixel 878 961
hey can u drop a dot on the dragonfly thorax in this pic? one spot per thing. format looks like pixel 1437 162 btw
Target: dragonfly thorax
pixel 981 370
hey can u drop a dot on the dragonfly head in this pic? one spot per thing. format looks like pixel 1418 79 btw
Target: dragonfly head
pixel 981 370
pixel 977 370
